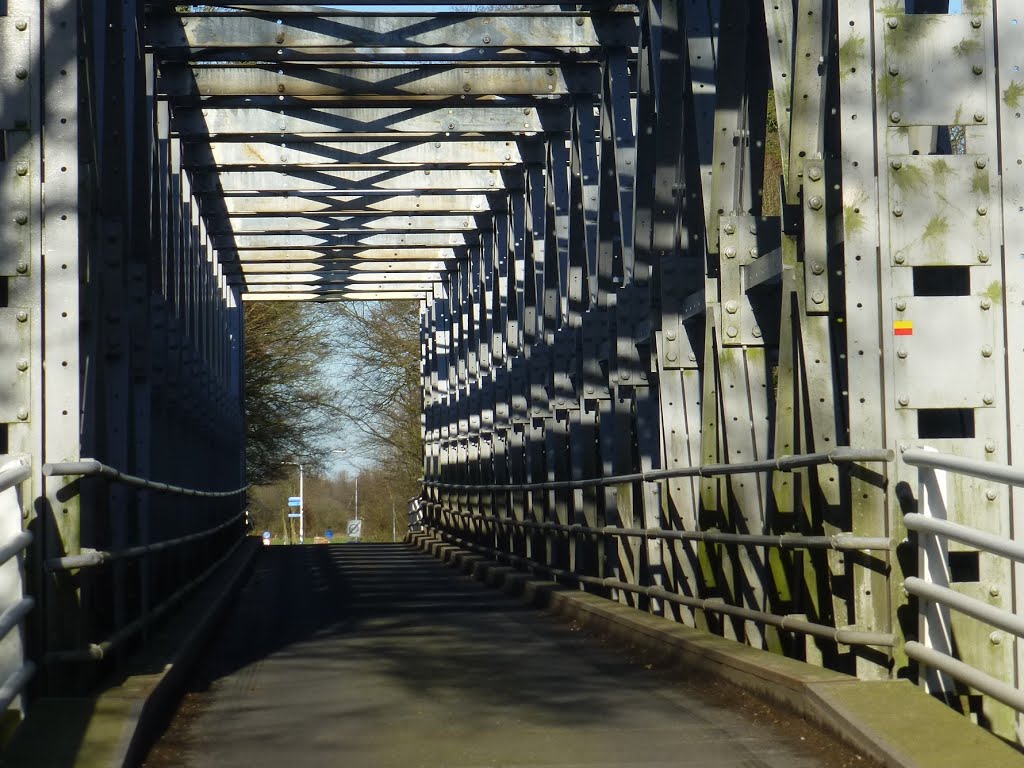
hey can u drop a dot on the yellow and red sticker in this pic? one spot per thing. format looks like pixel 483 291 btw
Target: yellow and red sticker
pixel 903 328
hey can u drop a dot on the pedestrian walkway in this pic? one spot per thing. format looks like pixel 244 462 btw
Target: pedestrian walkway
pixel 377 656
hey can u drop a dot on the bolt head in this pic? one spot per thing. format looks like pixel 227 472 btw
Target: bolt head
pixel 994 590
pixel 22 364
pixel 21 218
pixel 982 257
pixel 280 87
pixel 814 173
pixel 979 117
pixel 731 332
pixel 896 164
pixel 754 253
pixel 729 229
pixel 978 69
pixel 22 316
pixel 579 22
pixel 895 117
pixel 817 267
pixel 731 307
pixel 21 169
pixel 670 335
pixel 816 203
pixel 21 268
pixel 279 38
pixel 986 351
pixel 892 23
pixel 901 304
pixel 467 87
pixel 982 210
pixel 904 400
pixel 996 638
pixel 990 446
pixel 22 414
pixel 986 303
pixel 21 26
pixel 976 23
pixel 981 162
pixel 901 353
pixel 988 398
pixel 894 70
pixel 756 331
pixel 818 297
pixel 21 73
pixel 897 211
pixel 730 252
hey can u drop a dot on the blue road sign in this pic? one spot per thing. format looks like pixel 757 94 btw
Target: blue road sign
pixel 266 534
pixel 294 501
pixel 328 534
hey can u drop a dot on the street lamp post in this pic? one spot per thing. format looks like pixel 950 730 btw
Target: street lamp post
pixel 302 508
pixel 343 451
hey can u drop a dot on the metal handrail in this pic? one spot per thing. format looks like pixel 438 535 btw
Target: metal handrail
pixel 998 473
pixel 94 558
pixel 13 476
pixel 12 617
pixel 786 463
pixel 988 542
pixel 92 467
pixel 990 686
pixel 990 614
pixel 786 622
pixel 841 541
pixel 100 651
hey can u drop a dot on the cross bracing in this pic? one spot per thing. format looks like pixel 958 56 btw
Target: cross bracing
pixel 693 277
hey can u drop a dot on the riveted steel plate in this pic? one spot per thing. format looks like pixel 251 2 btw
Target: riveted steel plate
pixel 14 355
pixel 16 73
pixel 945 352
pixel 922 83
pixel 940 210
pixel 15 212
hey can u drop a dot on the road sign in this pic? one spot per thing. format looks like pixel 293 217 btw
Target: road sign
pixel 328 534
pixel 294 514
pixel 266 534
pixel 294 501
pixel 354 530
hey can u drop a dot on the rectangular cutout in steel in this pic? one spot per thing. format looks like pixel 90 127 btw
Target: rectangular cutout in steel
pixel 942 281
pixel 3 146
pixel 936 423
pixel 964 566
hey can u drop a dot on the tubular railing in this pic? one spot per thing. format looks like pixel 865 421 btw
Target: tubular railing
pixel 15 669
pixel 470 529
pixel 133 624
pixel 936 646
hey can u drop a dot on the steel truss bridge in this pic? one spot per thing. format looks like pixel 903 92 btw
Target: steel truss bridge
pixel 721 303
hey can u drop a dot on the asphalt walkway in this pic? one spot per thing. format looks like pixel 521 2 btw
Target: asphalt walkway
pixel 377 656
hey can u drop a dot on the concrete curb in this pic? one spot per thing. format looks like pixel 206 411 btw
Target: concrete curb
pixel 116 728
pixel 893 722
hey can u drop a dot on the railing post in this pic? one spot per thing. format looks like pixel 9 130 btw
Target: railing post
pixel 934 628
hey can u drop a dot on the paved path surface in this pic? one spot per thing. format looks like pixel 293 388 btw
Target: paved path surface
pixel 377 656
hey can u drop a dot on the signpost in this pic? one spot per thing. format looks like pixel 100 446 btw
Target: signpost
pixel 354 530
pixel 266 538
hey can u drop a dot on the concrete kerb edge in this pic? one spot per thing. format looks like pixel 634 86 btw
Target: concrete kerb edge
pixel 158 699
pixel 791 683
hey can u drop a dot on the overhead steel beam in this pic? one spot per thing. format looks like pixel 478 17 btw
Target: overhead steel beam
pixel 286 267
pixel 331 277
pixel 346 240
pixel 338 286
pixel 191 122
pixel 339 296
pixel 184 34
pixel 424 201
pixel 385 254
pixel 461 152
pixel 398 180
pixel 426 223
pixel 181 81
